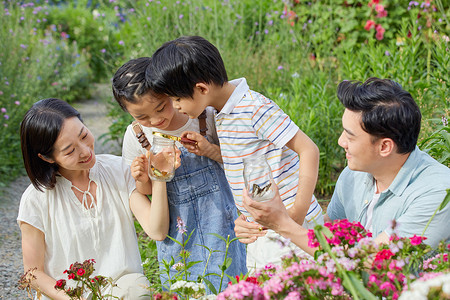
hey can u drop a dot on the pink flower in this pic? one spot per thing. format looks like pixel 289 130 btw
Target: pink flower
pixel 80 272
pixel 369 25
pixel 379 8
pixel 181 226
pixel 417 240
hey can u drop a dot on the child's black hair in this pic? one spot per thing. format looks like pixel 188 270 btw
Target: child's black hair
pixel 178 65
pixel 129 81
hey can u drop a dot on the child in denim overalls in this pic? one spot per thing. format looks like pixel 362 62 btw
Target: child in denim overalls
pixel 199 193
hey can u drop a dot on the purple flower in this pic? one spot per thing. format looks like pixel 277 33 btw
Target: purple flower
pixel 181 226
pixel 180 16
pixel 387 53
pixel 6 117
pixel 120 42
pixel 3 110
pixel 103 50
pixel 17 103
pixel 280 67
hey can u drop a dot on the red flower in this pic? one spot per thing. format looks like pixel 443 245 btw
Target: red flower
pixel 417 240
pixel 369 25
pixel 60 284
pixel 71 276
pixel 80 272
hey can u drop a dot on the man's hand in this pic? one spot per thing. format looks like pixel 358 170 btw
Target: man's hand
pixel 248 232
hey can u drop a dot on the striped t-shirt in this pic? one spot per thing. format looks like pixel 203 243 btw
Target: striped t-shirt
pixel 252 125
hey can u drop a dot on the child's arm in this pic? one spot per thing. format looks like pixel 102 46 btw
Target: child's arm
pixel 139 171
pixel 152 215
pixel 203 147
pixel 308 173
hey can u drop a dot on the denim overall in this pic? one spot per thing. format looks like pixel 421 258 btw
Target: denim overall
pixel 199 194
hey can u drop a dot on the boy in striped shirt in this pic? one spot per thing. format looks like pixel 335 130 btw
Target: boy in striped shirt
pixel 191 72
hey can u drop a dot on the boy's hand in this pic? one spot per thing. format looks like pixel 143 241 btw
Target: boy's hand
pixel 200 147
pixel 203 147
pixel 139 168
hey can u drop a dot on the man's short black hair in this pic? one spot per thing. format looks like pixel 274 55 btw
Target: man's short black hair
pixel 178 65
pixel 387 110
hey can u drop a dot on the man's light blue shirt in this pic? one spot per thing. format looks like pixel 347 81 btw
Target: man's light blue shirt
pixel 411 199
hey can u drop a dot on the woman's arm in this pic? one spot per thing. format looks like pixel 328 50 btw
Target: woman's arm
pixel 152 215
pixel 33 249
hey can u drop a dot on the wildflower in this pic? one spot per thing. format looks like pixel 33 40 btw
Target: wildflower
pixel 103 50
pixel 3 110
pixel 181 226
pixel 178 266
pixel 280 68
pixel 180 16
pixel 80 272
pixel 121 43
pixel 60 284
pixel 369 25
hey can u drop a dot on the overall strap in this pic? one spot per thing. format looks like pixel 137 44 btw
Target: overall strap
pixel 202 123
pixel 137 128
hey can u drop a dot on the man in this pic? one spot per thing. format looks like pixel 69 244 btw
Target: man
pixel 387 177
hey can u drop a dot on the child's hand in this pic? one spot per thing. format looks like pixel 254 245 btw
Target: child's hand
pixel 248 232
pixel 200 147
pixel 203 147
pixel 139 168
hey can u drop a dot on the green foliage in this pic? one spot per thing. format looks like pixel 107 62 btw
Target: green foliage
pixel 35 64
pixel 93 31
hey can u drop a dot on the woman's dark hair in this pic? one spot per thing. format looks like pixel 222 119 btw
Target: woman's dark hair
pixel 387 110
pixel 178 65
pixel 129 81
pixel 39 130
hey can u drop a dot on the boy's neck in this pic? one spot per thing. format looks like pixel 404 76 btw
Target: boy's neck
pixel 221 94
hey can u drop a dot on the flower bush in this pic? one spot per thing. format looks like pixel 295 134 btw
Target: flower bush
pixel 350 265
pixel 80 274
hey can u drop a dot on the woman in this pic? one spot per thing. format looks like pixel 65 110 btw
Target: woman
pixel 80 206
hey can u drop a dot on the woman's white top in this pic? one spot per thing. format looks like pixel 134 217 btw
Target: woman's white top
pixel 73 233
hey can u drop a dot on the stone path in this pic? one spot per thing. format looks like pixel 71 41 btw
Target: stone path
pixel 93 112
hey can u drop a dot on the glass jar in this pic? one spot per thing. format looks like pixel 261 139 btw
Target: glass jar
pixel 161 162
pixel 258 178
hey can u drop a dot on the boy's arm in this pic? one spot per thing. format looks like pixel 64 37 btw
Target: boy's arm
pixel 203 147
pixel 152 215
pixel 308 172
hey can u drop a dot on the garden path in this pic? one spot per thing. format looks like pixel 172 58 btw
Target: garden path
pixel 93 112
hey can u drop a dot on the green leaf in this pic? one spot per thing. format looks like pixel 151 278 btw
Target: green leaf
pixel 445 201
pixel 362 291
pixel 210 286
pixel 218 236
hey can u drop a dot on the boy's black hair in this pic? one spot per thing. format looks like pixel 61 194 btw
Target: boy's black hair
pixel 178 65
pixel 39 131
pixel 387 110
pixel 129 81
